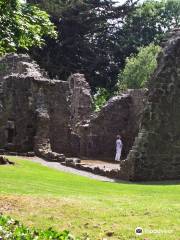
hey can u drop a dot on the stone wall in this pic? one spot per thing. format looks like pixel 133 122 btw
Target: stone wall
pixel 53 117
pixel 4 161
pixel 80 100
pixel 121 115
pixel 16 118
pixel 156 151
pixel 37 113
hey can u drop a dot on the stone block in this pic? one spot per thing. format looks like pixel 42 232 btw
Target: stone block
pixel 31 154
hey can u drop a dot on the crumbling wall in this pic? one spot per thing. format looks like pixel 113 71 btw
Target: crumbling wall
pixel 121 115
pixel 16 118
pixel 25 99
pixel 37 113
pixel 52 116
pixel 81 99
pixel 156 152
pixel 59 110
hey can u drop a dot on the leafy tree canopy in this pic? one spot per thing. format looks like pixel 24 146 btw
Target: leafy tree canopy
pixel 148 23
pixel 138 68
pixel 96 36
pixel 22 26
pixel 86 42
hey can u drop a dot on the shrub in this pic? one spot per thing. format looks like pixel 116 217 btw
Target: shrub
pixel 100 98
pixel 13 230
pixel 138 68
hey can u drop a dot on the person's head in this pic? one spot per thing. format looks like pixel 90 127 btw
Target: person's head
pixel 118 137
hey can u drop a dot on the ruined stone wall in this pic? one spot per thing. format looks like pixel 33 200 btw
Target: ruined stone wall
pixel 121 115
pixel 16 118
pixel 80 100
pixel 156 151
pixel 52 116
pixel 25 94
pixel 59 111
pixel 38 113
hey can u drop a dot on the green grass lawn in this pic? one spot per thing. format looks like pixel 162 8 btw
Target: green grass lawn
pixel 43 197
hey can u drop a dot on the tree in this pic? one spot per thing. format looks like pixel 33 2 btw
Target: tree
pixel 138 68
pixel 147 23
pixel 172 13
pixel 22 26
pixel 86 42
pixel 95 37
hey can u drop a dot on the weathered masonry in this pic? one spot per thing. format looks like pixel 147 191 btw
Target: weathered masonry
pixel 155 154
pixel 53 117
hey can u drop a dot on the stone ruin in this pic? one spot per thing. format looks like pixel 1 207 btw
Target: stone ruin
pixel 155 154
pixel 54 118
pixel 4 161
pixel 36 113
pixel 121 115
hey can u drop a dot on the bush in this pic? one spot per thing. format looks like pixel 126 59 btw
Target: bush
pixel 14 230
pixel 100 98
pixel 138 68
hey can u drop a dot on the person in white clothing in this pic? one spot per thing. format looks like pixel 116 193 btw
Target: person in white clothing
pixel 118 148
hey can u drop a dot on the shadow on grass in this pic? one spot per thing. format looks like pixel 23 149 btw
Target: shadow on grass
pixel 162 182
pixel 115 180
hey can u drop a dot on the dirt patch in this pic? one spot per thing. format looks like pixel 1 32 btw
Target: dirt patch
pixel 101 163
pixel 8 204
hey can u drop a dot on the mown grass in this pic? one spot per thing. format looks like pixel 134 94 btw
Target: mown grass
pixel 43 197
